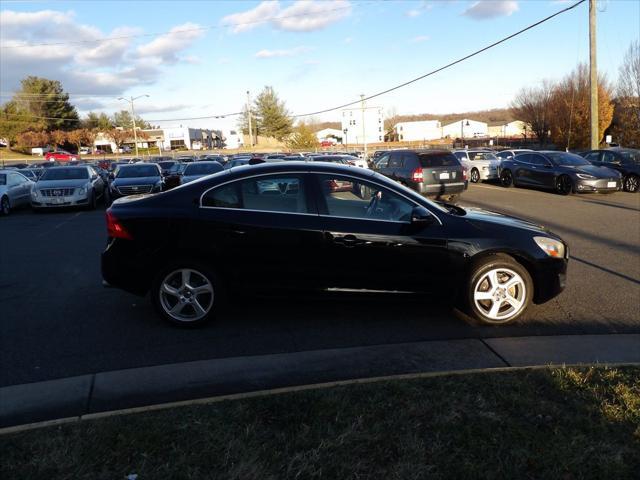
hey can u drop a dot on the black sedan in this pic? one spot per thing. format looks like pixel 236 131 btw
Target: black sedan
pixel 563 172
pixel 134 179
pixel 624 160
pixel 280 225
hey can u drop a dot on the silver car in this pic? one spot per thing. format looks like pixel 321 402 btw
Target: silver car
pixel 78 186
pixel 15 190
pixel 480 164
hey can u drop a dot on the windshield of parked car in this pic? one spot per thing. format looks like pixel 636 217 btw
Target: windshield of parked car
pixel 202 168
pixel 633 155
pixel 567 159
pixel 167 164
pixel 474 156
pixel 65 174
pixel 437 160
pixel 137 171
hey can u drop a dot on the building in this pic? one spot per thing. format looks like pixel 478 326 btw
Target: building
pixel 363 125
pixel 330 134
pixel 515 128
pixel 171 138
pixel 465 128
pixel 415 131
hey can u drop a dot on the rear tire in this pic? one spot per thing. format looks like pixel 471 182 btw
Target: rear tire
pixel 631 183
pixel 564 185
pixel 187 293
pixel 498 290
pixel 5 206
pixel 506 179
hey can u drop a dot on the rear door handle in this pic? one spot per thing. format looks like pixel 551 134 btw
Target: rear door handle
pixel 348 240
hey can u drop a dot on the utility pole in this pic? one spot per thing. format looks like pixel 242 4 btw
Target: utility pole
pixel 249 114
pixel 364 138
pixel 133 118
pixel 593 76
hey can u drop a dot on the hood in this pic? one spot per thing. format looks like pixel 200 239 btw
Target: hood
pixel 479 217
pixel 62 183
pixel 119 182
pixel 191 178
pixel 596 171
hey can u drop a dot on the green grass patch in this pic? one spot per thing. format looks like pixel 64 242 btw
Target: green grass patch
pixel 568 423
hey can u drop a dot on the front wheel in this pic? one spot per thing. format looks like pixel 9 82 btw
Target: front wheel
pixel 498 291
pixel 5 207
pixel 475 176
pixel 631 183
pixel 564 185
pixel 186 294
pixel 506 179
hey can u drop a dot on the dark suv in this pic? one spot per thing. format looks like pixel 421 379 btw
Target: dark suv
pixel 432 173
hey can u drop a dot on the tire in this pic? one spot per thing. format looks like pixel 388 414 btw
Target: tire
pixel 92 202
pixel 564 185
pixel 474 176
pixel 506 179
pixel 5 206
pixel 489 299
pixel 631 183
pixel 197 308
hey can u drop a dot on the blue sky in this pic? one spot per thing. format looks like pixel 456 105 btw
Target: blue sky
pixel 316 54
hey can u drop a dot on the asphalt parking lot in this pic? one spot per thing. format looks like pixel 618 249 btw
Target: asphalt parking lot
pixel 56 319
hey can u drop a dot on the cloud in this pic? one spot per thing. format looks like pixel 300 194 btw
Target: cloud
pixel 486 9
pixel 281 53
pixel 301 16
pixel 168 45
pixel 142 109
pixel 420 38
pixel 413 13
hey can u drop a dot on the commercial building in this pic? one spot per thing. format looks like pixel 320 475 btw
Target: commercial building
pixel 170 138
pixel 415 131
pixel 330 134
pixel 515 128
pixel 363 125
pixel 465 128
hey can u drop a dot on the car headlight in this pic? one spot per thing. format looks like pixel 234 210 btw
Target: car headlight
pixel 34 193
pixel 553 248
pixel 82 190
pixel 585 176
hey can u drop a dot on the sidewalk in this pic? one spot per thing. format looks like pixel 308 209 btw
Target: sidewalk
pixel 76 397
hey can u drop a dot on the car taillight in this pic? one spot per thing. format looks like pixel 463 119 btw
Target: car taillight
pixel 416 176
pixel 115 229
pixel 464 174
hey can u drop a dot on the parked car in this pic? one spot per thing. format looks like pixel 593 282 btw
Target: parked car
pixel 135 179
pixel 78 186
pixel 434 173
pixel 213 158
pixel 194 171
pixel 186 158
pixel 624 160
pixel 173 176
pixel 15 190
pixel 253 228
pixel 509 154
pixel 84 151
pixel 237 162
pixel 481 164
pixel 60 156
pixel 563 172
pixel 330 158
pixel 166 166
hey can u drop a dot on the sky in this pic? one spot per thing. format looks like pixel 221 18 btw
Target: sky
pixel 199 58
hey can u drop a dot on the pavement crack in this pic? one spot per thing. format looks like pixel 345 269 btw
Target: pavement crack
pixel 495 352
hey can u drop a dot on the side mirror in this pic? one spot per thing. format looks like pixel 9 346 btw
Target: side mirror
pixel 94 178
pixel 421 216
pixel 111 176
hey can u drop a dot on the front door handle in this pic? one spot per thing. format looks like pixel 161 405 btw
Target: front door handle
pixel 347 241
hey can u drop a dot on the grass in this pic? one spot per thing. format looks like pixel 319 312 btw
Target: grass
pixel 568 423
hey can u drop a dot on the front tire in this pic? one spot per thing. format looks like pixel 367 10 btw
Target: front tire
pixel 186 293
pixel 564 185
pixel 5 206
pixel 631 183
pixel 498 290
pixel 506 179
pixel 475 176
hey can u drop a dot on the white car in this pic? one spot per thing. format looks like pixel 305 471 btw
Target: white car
pixel 480 164
pixel 15 190
pixel 509 154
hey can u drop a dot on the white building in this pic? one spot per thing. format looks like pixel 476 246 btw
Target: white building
pixel 465 128
pixel 516 128
pixel 414 131
pixel 331 134
pixel 232 138
pixel 363 125
pixel 170 138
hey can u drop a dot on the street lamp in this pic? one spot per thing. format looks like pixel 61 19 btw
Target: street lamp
pixel 346 139
pixel 462 125
pixel 133 116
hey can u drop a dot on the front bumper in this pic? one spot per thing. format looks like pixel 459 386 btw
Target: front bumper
pixel 598 185
pixel 60 201
pixel 550 279
pixel 491 174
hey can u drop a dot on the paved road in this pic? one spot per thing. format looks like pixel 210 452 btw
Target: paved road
pixel 56 320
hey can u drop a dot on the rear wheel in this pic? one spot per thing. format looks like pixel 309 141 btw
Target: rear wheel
pixel 498 291
pixel 475 176
pixel 564 185
pixel 631 183
pixel 186 293
pixel 5 207
pixel 506 178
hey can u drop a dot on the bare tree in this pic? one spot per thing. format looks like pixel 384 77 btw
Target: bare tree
pixel 533 107
pixel 626 122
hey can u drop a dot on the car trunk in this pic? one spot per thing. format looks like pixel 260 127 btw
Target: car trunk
pixel 440 169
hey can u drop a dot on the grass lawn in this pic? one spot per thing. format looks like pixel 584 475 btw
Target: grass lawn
pixel 8 155
pixel 534 424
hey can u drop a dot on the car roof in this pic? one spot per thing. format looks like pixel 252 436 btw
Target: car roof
pixel 63 167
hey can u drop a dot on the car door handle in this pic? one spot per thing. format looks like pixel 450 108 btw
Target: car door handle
pixel 347 241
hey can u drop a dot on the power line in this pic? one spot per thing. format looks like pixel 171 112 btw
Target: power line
pixel 186 30
pixel 477 52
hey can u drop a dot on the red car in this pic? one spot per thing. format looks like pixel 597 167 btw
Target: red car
pixel 60 156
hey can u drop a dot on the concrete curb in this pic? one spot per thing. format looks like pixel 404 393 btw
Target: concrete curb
pixel 142 389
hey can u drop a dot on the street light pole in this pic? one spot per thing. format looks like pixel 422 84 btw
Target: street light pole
pixel 364 137
pixel 346 139
pixel 249 114
pixel 133 117
pixel 593 76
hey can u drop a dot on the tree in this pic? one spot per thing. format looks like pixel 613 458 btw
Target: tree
pixel 626 119
pixel 302 138
pixel 88 136
pixel 533 107
pixel 15 120
pixel 75 137
pixel 47 100
pixel 58 137
pixel 31 139
pixel 100 122
pixel 570 109
pixel 119 136
pixel 272 117
pixel 124 119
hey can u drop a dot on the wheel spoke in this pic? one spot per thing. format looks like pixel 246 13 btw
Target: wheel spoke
pixel 206 288
pixel 493 278
pixel 484 295
pixel 186 275
pixel 177 308
pixel 493 313
pixel 170 290
pixel 198 308
pixel 512 283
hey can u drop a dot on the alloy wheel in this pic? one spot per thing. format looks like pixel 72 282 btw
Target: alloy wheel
pixel 631 183
pixel 4 206
pixel 564 186
pixel 506 178
pixel 186 295
pixel 475 176
pixel 499 295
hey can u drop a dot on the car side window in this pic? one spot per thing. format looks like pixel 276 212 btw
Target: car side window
pixel 461 155
pixel 383 162
pixel 593 156
pixel 503 155
pixel 395 160
pixel 537 160
pixel 348 197
pixel 608 157
pixel 269 193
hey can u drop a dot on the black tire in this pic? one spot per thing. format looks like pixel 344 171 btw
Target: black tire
pixel 564 185
pixel 506 178
pixel 5 206
pixel 476 279
pixel 218 296
pixel 631 183
pixel 474 177
pixel 92 202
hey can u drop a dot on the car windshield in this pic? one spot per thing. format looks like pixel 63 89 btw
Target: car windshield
pixel 437 160
pixel 65 174
pixel 482 156
pixel 202 168
pixel 567 159
pixel 167 164
pixel 137 171
pixel 633 155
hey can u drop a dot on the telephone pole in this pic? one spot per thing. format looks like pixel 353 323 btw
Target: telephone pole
pixel 593 76
pixel 364 138
pixel 133 118
pixel 249 114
